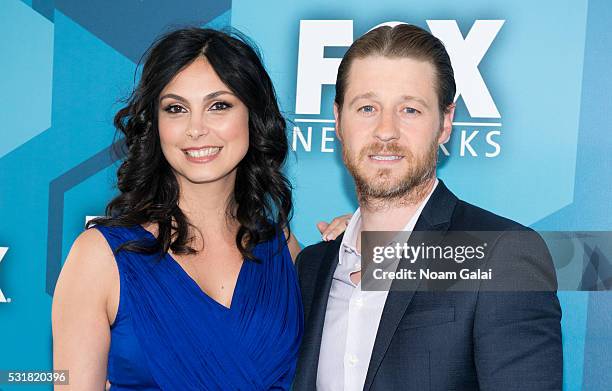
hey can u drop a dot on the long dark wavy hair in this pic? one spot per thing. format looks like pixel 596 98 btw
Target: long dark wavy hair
pixel 149 190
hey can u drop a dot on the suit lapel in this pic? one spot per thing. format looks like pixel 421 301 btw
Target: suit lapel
pixel 435 216
pixel 306 374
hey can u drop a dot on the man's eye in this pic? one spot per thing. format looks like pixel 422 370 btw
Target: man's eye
pixel 220 106
pixel 410 110
pixel 368 109
pixel 174 109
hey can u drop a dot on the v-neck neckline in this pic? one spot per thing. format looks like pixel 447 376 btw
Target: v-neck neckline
pixel 193 282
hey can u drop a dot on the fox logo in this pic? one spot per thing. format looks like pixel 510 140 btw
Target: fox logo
pixel 314 69
pixel 3 251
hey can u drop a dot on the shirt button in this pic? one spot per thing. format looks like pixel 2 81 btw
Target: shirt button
pixel 352 360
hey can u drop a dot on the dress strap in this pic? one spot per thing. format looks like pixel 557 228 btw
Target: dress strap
pixel 113 236
pixel 117 235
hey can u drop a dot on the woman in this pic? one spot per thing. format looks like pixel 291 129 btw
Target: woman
pixel 189 282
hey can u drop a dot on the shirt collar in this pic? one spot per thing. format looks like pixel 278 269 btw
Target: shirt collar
pixel 349 240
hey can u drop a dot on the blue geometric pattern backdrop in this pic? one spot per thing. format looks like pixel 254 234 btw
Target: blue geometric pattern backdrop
pixel 531 137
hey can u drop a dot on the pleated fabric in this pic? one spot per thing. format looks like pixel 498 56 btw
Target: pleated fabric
pixel 170 335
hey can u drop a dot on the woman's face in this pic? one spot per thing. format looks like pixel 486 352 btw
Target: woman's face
pixel 203 126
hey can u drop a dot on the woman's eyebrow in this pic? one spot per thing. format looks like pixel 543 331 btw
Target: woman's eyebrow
pixel 212 95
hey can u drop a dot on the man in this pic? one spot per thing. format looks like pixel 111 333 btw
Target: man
pixel 393 108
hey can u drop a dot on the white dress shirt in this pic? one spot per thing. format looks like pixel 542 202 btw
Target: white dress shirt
pixel 352 316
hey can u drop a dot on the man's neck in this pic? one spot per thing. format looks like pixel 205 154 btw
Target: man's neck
pixel 393 215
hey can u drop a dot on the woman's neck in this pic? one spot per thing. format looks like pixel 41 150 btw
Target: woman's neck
pixel 206 205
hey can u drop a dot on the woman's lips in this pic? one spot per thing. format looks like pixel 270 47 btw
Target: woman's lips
pixel 202 154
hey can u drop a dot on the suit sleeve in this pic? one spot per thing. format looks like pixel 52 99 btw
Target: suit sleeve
pixel 306 264
pixel 298 261
pixel 517 324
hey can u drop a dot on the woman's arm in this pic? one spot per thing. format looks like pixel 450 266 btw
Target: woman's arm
pixel 292 243
pixel 87 288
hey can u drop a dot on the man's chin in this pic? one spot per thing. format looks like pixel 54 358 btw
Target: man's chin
pixel 385 189
pixel 389 187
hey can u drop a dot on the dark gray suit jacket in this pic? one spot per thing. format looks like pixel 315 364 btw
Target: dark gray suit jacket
pixel 472 340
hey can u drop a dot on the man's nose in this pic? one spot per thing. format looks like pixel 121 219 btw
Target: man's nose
pixel 386 128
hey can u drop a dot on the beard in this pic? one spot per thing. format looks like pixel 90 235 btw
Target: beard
pixel 383 186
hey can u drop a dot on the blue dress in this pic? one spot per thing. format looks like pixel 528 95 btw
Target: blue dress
pixel 170 335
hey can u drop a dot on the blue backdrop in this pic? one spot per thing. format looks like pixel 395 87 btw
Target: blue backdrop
pixel 531 138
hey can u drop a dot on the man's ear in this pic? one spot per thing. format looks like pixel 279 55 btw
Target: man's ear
pixel 447 124
pixel 337 119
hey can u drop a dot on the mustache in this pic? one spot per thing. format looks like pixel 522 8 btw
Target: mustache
pixel 381 148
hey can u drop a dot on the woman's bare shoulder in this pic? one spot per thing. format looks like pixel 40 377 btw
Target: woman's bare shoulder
pixel 89 272
pixel 79 316
pixel 91 250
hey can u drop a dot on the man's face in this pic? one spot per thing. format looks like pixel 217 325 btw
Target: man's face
pixel 390 125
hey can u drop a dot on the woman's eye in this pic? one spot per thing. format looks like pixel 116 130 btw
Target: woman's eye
pixel 174 109
pixel 220 106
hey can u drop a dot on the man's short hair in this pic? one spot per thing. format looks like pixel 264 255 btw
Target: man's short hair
pixel 402 41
